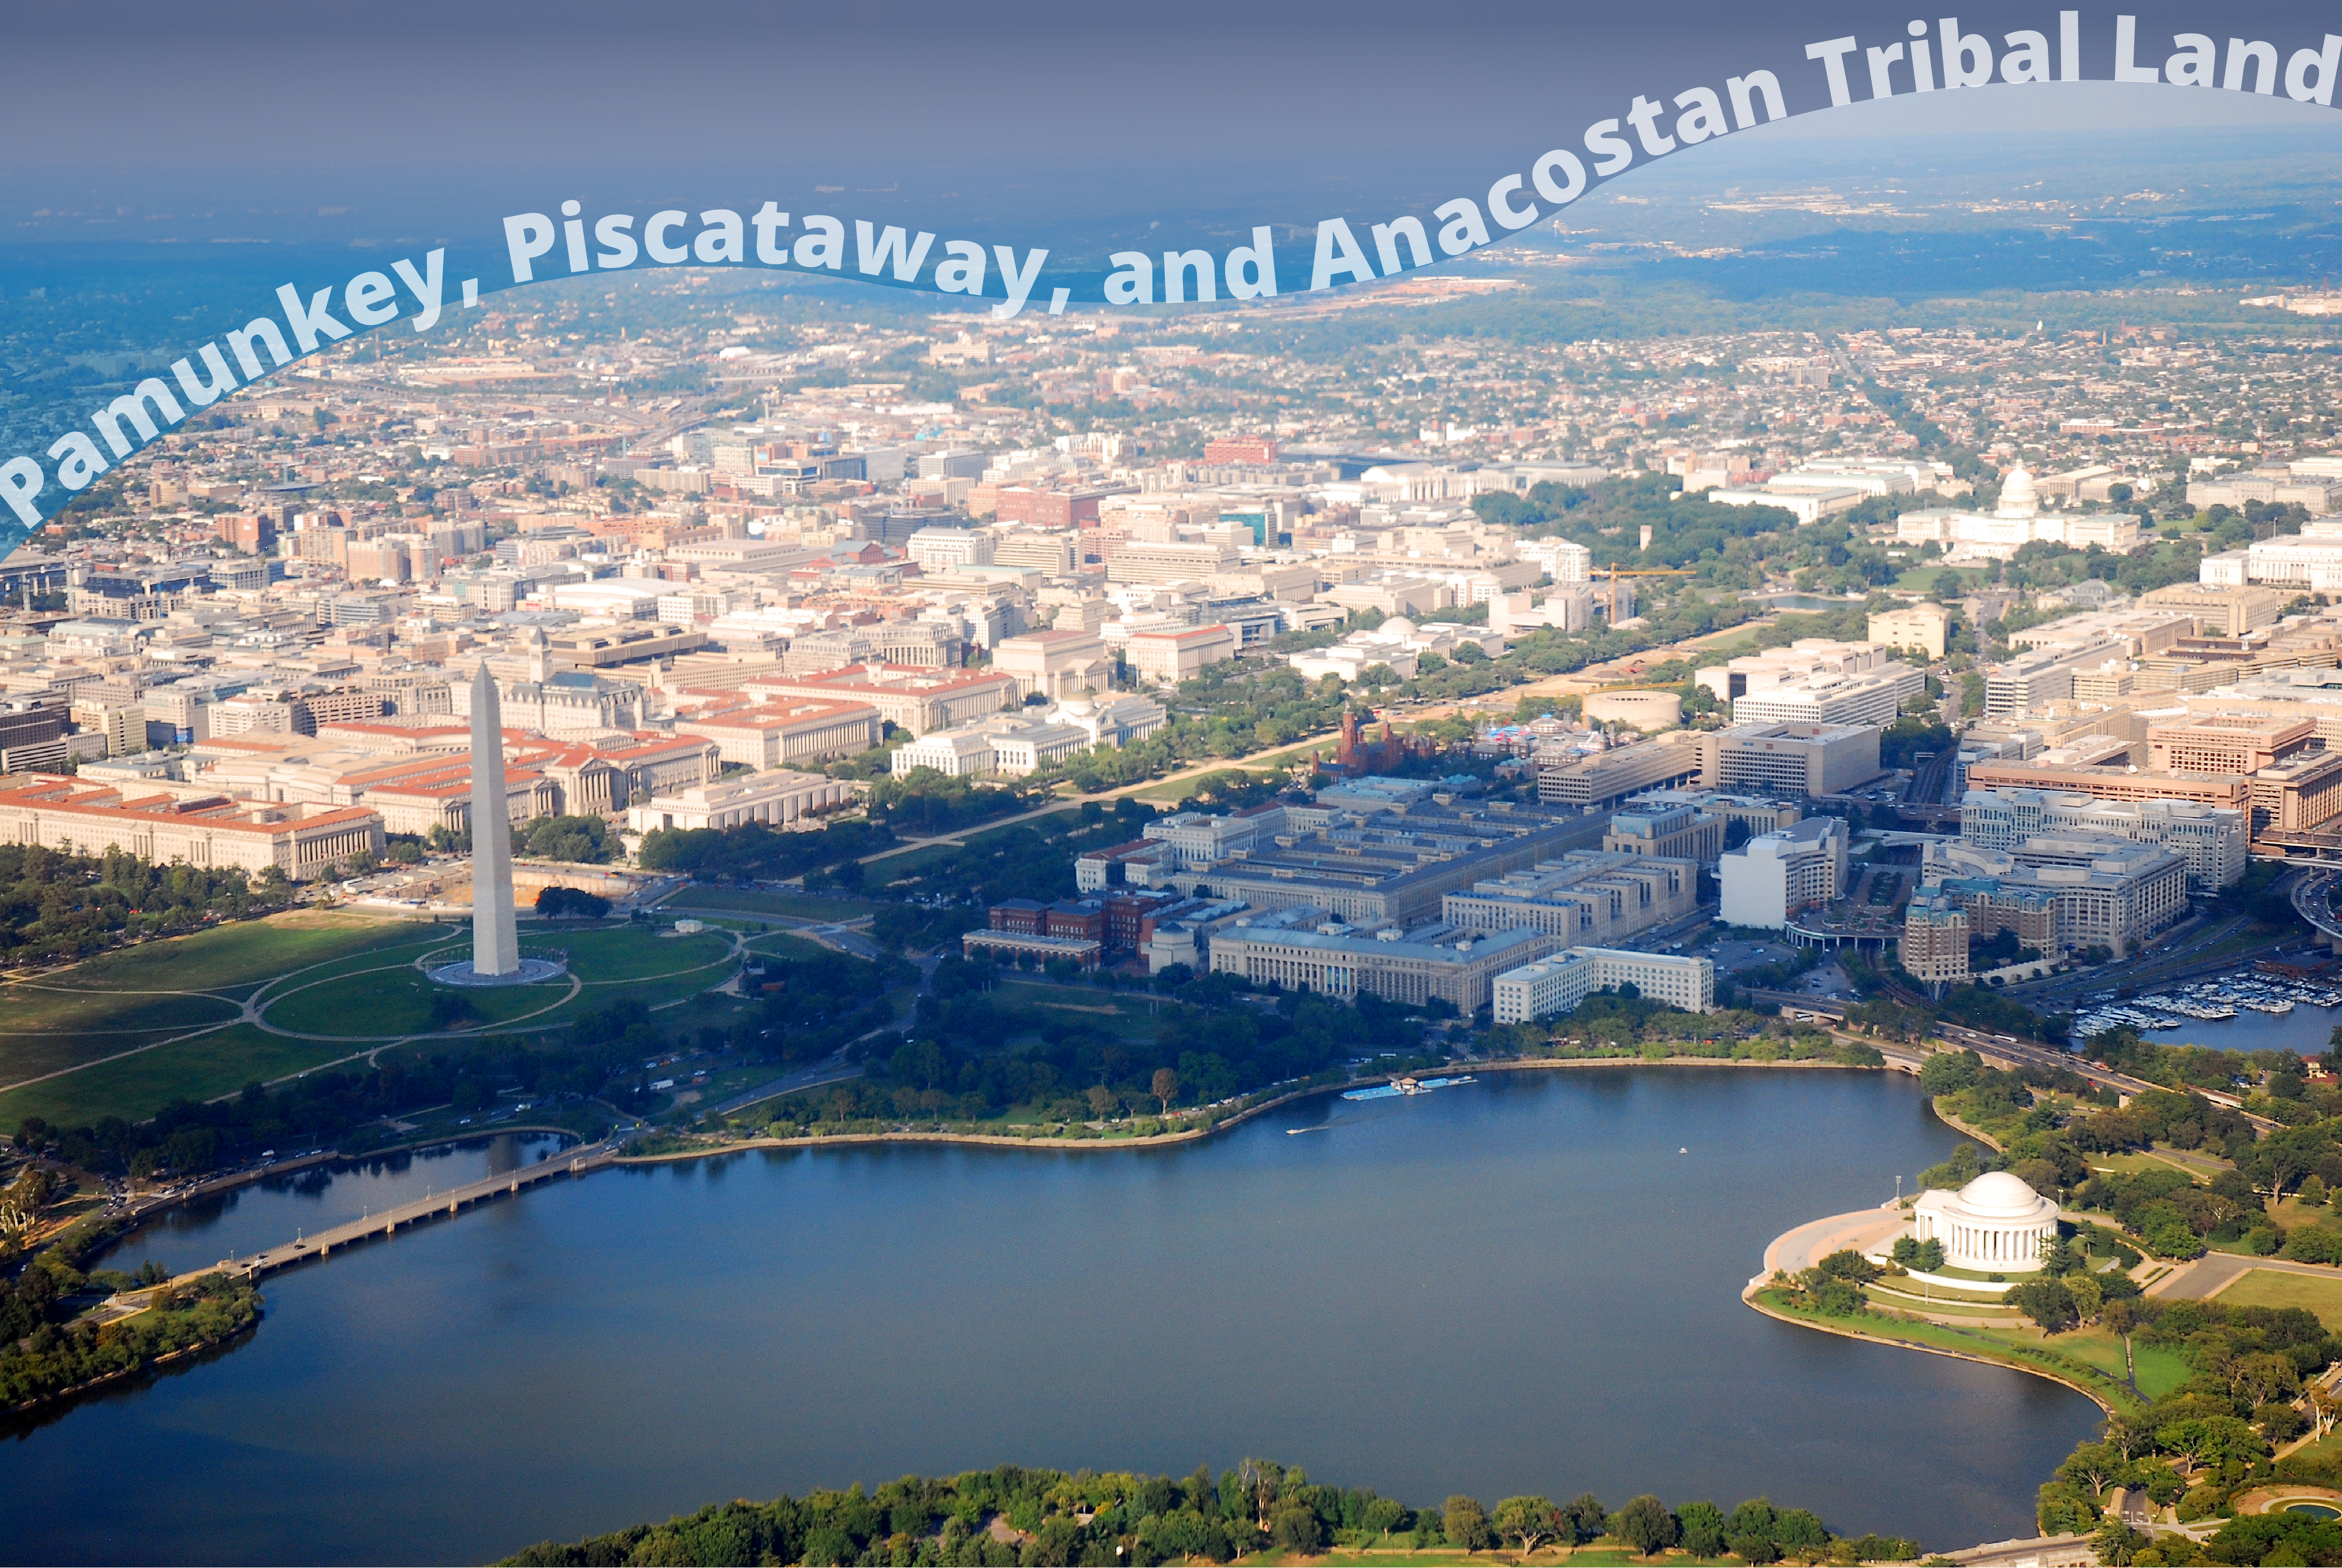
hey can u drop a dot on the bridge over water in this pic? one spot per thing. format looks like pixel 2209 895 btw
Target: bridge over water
pixel 391 1221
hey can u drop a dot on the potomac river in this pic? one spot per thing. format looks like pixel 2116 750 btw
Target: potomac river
pixel 1525 1284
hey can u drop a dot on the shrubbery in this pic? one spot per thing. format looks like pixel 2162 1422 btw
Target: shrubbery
pixel 1013 1518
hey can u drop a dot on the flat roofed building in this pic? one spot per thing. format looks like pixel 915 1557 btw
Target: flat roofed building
pixel 1871 696
pixel 1600 778
pixel 775 799
pixel 954 754
pixel 1168 658
pixel 2302 792
pixel 2113 783
pixel 1923 628
pixel 213 831
pixel 1935 948
pixel 781 732
pixel 915 699
pixel 1458 967
pixel 1558 983
pixel 1669 831
pixel 2104 892
pixel 1806 657
pixel 1391 866
pixel 1586 896
pixel 1790 758
pixel 1775 875
pixel 2223 611
pixel 2044 675
pixel 2213 839
pixel 2226 742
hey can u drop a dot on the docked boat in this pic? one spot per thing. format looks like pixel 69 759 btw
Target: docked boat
pixel 1400 1088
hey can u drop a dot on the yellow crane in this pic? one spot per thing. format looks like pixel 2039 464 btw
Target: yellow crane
pixel 1614 572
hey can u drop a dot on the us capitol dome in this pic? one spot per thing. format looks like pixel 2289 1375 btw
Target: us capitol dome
pixel 2018 496
pixel 1995 1224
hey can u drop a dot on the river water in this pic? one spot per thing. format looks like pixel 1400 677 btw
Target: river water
pixel 1526 1284
pixel 2305 1029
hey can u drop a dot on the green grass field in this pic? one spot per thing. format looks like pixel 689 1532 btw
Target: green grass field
pixel 135 1087
pixel 110 1003
pixel 355 984
pixel 368 1006
pixel 1104 1010
pixel 2268 1287
pixel 803 905
pixel 626 953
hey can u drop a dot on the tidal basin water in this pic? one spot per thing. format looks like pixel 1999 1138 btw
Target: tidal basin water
pixel 1525 1284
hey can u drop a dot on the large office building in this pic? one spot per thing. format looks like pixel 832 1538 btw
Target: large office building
pixel 1668 830
pixel 2226 742
pixel 2045 675
pixel 1775 875
pixel 299 839
pixel 1587 896
pixel 1365 862
pixel 2212 840
pixel 1606 777
pixel 1557 983
pixel 2100 892
pixel 1788 758
pixel 909 697
pixel 1316 954
pixel 774 799
pixel 1871 696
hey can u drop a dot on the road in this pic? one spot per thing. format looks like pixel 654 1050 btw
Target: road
pixel 835 1068
pixel 2184 955
pixel 1073 801
pixel 2215 1271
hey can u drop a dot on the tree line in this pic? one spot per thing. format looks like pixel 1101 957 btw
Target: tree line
pixel 1018 1518
pixel 55 906
pixel 2212 1438
pixel 971 1057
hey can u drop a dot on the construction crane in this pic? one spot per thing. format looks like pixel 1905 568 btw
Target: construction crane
pixel 1614 572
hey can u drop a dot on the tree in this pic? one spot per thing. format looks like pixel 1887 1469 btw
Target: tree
pixel 2209 1440
pixel 2047 1303
pixel 574 901
pixel 1703 1528
pixel 2117 1543
pixel 1261 1480
pixel 2094 1465
pixel 1584 1517
pixel 1528 1520
pixel 2089 1296
pixel 1751 1532
pixel 1466 1524
pixel 1296 1529
pixel 1166 1087
pixel 1950 1071
pixel 1645 1525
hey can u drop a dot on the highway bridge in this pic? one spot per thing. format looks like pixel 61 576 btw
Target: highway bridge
pixel 2313 900
pixel 403 1216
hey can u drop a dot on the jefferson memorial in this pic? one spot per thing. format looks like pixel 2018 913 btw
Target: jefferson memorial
pixel 1995 1224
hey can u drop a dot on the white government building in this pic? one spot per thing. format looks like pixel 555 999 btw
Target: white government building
pixel 1995 1224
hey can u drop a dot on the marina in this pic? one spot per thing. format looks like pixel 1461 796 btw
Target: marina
pixel 2218 1001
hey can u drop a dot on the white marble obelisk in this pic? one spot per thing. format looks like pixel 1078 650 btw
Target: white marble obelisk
pixel 495 946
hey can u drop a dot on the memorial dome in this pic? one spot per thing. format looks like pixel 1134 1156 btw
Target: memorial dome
pixel 1995 1224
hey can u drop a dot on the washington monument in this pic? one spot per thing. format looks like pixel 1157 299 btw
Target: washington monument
pixel 496 948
